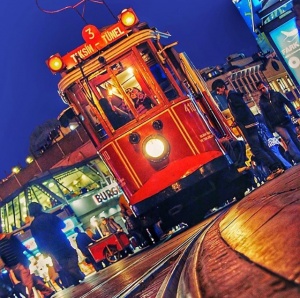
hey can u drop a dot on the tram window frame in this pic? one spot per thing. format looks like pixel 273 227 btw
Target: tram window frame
pixel 78 91
pixel 160 76
pixel 110 111
pixel 142 99
pixel 114 105
pixel 118 80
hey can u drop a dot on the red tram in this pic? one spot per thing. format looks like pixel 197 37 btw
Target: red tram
pixel 152 120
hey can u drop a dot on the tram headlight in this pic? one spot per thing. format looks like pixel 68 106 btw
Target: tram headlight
pixel 156 148
pixel 55 63
pixel 128 18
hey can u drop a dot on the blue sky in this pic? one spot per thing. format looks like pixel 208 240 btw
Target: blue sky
pixel 208 31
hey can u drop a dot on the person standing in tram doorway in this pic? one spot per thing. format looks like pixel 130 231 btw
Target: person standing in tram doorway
pixel 46 229
pixel 247 122
pixel 273 107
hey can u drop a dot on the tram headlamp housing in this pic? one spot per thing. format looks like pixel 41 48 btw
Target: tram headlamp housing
pixel 128 18
pixel 156 148
pixel 134 138
pixel 157 124
pixel 55 63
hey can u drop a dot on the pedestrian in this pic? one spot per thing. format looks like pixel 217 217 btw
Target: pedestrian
pixel 272 142
pixel 108 226
pixel 8 288
pixel 46 229
pixel 246 121
pixel 63 276
pixel 83 241
pixel 12 255
pixel 273 107
pixel 259 171
pixel 54 277
pixel 133 224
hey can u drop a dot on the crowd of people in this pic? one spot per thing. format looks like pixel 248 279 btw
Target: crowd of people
pixel 271 155
pixel 52 242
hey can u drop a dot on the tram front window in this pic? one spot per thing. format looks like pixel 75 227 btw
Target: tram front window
pixel 117 117
pixel 139 96
pixel 113 105
pixel 158 73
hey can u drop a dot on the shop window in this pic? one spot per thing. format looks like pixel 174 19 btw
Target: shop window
pixel 23 209
pixel 10 224
pixel 17 213
pixel 3 220
pixel 41 196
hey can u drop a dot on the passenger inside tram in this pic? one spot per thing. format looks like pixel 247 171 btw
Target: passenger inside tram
pixel 117 103
pixel 141 101
pixel 116 118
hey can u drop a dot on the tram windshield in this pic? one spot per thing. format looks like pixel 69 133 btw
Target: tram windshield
pixel 122 93
pixel 125 89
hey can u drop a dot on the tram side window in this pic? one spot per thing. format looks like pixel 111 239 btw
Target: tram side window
pixel 158 73
pixel 81 95
pixel 98 126
pixel 163 81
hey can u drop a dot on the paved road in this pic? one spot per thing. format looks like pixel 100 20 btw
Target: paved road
pixel 253 250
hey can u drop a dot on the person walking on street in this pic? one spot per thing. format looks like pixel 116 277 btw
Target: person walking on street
pixel 11 253
pixel 133 224
pixel 272 142
pixel 108 226
pixel 247 123
pixel 46 229
pixel 83 241
pixel 273 107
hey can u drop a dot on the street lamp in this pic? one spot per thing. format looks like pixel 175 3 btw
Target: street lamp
pixel 16 169
pixel 29 159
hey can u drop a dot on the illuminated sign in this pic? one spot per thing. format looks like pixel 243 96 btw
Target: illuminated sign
pixel 286 39
pixel 95 40
pixel 69 225
pixel 30 244
pixel 107 193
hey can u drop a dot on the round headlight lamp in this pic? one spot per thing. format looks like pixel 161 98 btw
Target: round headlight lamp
pixel 156 148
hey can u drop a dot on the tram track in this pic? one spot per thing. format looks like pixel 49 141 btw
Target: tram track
pixel 163 277
pixel 149 269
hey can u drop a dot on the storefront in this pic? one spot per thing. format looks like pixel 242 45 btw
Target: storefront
pixel 79 194
pixel 88 188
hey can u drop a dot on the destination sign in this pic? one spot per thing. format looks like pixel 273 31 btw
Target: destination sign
pixel 95 40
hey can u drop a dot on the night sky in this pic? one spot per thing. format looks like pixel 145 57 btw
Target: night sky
pixel 208 31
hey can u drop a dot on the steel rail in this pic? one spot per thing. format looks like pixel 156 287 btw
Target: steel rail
pixel 172 279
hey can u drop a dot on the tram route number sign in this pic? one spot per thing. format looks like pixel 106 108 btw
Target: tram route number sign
pixel 94 41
